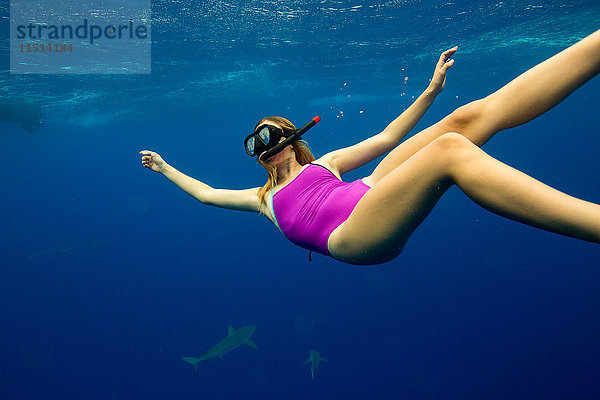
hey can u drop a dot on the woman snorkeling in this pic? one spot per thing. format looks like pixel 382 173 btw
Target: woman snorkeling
pixel 370 220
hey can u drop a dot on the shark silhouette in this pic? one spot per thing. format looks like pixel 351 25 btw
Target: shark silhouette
pixel 314 360
pixel 60 248
pixel 234 339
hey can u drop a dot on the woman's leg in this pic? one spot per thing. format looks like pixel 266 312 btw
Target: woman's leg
pixel 387 215
pixel 521 100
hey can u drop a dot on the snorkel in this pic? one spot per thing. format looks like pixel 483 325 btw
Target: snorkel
pixel 294 136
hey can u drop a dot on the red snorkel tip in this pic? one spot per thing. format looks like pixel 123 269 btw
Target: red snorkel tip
pixel 317 119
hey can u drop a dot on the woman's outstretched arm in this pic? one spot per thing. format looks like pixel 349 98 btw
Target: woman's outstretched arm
pixel 401 126
pixel 241 200
pixel 352 157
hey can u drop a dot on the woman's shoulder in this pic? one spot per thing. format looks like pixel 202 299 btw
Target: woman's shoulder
pixel 324 161
pixel 327 162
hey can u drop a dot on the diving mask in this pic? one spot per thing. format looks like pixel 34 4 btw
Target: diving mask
pixel 266 139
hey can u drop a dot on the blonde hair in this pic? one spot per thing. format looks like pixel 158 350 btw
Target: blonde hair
pixel 301 150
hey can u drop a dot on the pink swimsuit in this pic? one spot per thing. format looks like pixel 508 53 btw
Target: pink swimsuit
pixel 313 204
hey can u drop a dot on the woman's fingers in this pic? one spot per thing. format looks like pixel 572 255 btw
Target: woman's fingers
pixel 445 56
pixel 448 53
pixel 146 158
pixel 146 155
pixel 447 65
pixel 152 160
pixel 445 62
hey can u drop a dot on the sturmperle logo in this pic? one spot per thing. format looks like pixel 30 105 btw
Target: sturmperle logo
pixel 80 37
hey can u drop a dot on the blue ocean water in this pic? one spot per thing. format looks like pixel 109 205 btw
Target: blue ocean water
pixel 109 273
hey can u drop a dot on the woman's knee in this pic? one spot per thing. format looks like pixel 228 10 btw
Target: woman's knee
pixel 450 148
pixel 456 154
pixel 462 117
pixel 451 142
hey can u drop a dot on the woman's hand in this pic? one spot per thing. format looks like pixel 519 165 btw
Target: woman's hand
pixel 439 76
pixel 152 160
